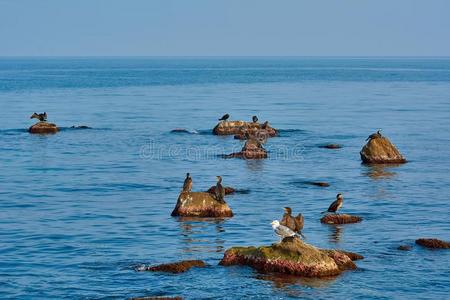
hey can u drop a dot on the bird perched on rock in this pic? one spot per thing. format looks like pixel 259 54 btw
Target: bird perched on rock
pixel 337 204
pixel 282 231
pixel 255 119
pixel 224 117
pixel 220 190
pixel 375 135
pixel 40 117
pixel 187 185
pixel 294 223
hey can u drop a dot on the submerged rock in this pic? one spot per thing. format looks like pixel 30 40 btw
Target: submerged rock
pixel 404 248
pixel 182 130
pixel 319 183
pixel 291 256
pixel 177 267
pixel 239 127
pixel 80 127
pixel 433 243
pixel 331 146
pixel 43 128
pixel 340 219
pixel 228 190
pixel 200 204
pixel 157 298
pixel 380 151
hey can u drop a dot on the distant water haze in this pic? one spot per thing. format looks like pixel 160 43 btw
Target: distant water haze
pixel 81 207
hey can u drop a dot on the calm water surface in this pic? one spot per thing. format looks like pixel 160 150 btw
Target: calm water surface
pixel 80 208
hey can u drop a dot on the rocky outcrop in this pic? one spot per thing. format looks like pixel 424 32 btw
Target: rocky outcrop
pixel 200 204
pixel 381 151
pixel 228 190
pixel 291 256
pixel 331 146
pixel 177 267
pixel 252 149
pixel 340 219
pixel 433 243
pixel 239 127
pixel 43 128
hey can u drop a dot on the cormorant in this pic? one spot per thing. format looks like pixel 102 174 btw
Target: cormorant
pixel 294 223
pixel 40 117
pixel 255 119
pixel 187 185
pixel 337 204
pixel 220 190
pixel 224 117
pixel 374 135
pixel 265 125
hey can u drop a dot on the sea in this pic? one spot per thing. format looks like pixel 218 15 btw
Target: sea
pixel 80 210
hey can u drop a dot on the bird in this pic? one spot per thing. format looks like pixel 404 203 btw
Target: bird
pixel 187 185
pixel 224 117
pixel 255 119
pixel 294 223
pixel 374 135
pixel 281 230
pixel 40 117
pixel 336 205
pixel 220 190
pixel 265 125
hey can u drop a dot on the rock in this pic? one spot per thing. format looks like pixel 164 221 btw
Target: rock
pixel 182 130
pixel 340 219
pixel 177 267
pixel 238 127
pixel 251 150
pixel 228 190
pixel 319 183
pixel 352 255
pixel 291 256
pixel 381 151
pixel 81 127
pixel 404 248
pixel 200 204
pixel 157 298
pixel 433 243
pixel 331 146
pixel 43 128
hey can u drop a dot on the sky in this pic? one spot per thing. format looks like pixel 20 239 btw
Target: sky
pixel 224 28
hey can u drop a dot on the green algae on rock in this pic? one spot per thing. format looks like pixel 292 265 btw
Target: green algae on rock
pixel 291 256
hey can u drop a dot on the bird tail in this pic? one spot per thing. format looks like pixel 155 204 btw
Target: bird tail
pixel 301 234
pixel 324 212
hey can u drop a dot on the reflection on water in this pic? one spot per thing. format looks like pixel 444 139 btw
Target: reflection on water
pixel 255 165
pixel 201 234
pixel 287 283
pixel 380 171
pixel 335 234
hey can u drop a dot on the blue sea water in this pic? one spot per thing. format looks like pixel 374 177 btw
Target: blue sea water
pixel 80 208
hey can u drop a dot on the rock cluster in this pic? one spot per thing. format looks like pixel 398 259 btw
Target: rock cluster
pixel 433 243
pixel 239 127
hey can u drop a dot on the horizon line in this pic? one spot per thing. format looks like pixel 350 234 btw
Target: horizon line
pixel 225 56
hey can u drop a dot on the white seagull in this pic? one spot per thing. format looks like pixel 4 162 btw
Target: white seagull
pixel 281 230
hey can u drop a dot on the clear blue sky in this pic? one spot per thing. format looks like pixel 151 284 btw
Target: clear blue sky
pixel 224 27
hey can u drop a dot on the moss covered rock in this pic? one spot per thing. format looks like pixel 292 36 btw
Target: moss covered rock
pixel 200 204
pixel 43 128
pixel 381 151
pixel 291 256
